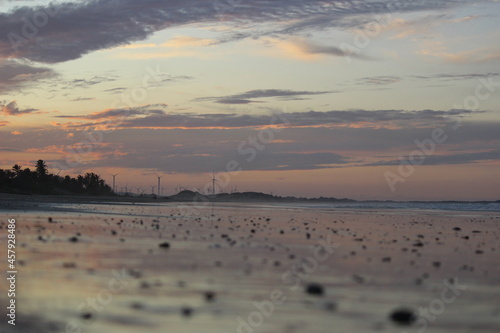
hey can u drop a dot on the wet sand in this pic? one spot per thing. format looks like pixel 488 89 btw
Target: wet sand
pixel 155 267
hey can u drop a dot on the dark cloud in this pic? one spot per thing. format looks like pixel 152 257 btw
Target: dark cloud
pixel 378 80
pixel 149 117
pixel 11 109
pixel 15 75
pixel 234 101
pixel 389 79
pixel 81 99
pixel 449 159
pixel 455 77
pixel 117 113
pixel 314 48
pixel 198 161
pixel 246 97
pixel 87 83
pixel 116 90
pixel 295 148
pixel 66 31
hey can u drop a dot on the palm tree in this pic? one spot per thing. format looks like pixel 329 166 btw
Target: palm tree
pixel 17 169
pixel 41 168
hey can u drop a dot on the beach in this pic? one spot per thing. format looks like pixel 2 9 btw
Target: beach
pixel 259 267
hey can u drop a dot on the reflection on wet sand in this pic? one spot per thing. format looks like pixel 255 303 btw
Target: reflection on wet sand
pixel 249 268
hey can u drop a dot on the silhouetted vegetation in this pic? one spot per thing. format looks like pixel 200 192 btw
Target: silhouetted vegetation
pixel 24 181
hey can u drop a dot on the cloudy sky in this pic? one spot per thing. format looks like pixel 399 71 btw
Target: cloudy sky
pixel 392 99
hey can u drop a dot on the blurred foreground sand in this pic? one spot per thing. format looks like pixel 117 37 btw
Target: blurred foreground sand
pixel 246 268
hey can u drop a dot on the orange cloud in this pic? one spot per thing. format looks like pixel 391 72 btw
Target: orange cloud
pixel 137 46
pixel 295 48
pixel 180 46
pixel 438 50
pixel 188 41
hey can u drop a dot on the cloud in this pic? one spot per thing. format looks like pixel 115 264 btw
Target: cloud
pixel 11 109
pixel 16 76
pixel 456 77
pixel 176 160
pixel 119 113
pixel 437 50
pixel 148 117
pixel 189 149
pixel 378 80
pixel 188 41
pixel 306 50
pixel 386 80
pixel 4 123
pixel 116 90
pixel 247 97
pixel 309 47
pixel 81 99
pixel 73 29
pixel 450 159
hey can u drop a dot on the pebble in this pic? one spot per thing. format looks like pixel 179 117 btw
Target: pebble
pixel 165 245
pixel 315 289
pixel 403 316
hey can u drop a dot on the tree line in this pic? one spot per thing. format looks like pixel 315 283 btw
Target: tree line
pixel 40 181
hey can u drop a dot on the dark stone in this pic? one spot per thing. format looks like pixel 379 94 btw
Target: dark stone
pixel 330 306
pixel 186 312
pixel 87 315
pixel 315 289
pixel 403 317
pixel 165 245
pixel 209 296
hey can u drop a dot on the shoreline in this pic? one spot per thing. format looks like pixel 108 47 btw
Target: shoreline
pixel 17 202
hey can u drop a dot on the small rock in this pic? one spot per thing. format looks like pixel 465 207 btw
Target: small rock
pixel 87 315
pixel 330 306
pixel 165 245
pixel 209 296
pixel 315 289
pixel 403 316
pixel 186 312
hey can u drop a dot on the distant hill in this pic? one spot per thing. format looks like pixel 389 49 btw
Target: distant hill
pixel 187 195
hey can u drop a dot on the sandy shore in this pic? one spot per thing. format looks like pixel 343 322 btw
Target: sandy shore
pixel 155 267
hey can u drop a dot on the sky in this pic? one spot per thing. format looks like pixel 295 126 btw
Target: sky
pixel 388 100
